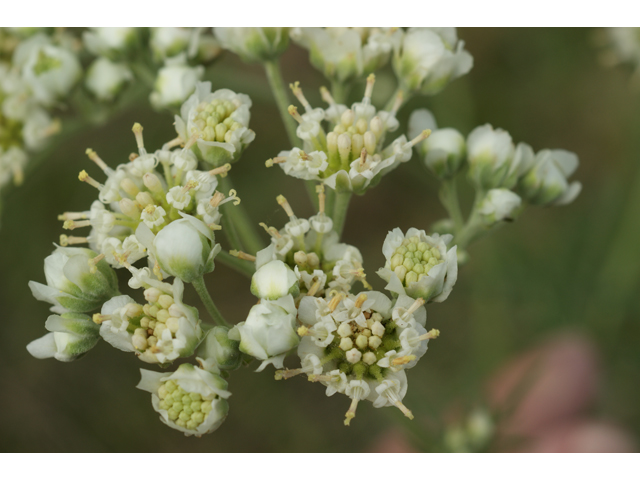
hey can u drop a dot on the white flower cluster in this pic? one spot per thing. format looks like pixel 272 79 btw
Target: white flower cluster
pixel 497 166
pixel 254 44
pixel 624 47
pixel 168 215
pixel 351 155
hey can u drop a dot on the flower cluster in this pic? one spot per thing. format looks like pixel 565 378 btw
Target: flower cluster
pixel 351 155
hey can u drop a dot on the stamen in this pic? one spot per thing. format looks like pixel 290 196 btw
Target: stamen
pixel 415 306
pixel 69 240
pixel 361 299
pixel 293 111
pixel 93 156
pixel 319 378
pixel 314 288
pixel 121 258
pixel 157 271
pixel 72 216
pixel 188 186
pixel 431 334
pixel 351 413
pixel 371 79
pixel 83 176
pixel 321 197
pixel 194 138
pixel 403 409
pixel 403 360
pixel 285 205
pixel 303 331
pixel 93 263
pixel 133 156
pixel 242 255
pixel 222 171
pixel 172 143
pixel 137 131
pixel 397 103
pixel 214 226
pixel 269 163
pixel 272 231
pixel 423 136
pixel 99 318
pixel 297 91
pixel 333 304
pixel 72 225
pixel 233 194
pixel 326 95
pixel 286 374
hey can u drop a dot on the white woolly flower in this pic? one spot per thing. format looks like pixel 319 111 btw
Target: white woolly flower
pixel 161 331
pixel 269 331
pixel 109 41
pixel 78 280
pixel 175 82
pixel 419 265
pixel 499 204
pixel 546 183
pixel 51 72
pixel 254 44
pixel 427 59
pixel 274 280
pixel 105 78
pixel 185 248
pixel 220 120
pixel 344 53
pixel 168 42
pixel 72 335
pixel 191 400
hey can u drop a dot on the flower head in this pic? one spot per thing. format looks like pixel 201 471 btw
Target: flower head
pixel 419 265
pixel 191 400
pixel 254 44
pixel 220 122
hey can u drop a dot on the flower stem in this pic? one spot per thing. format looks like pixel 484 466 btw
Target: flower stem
pixel 340 91
pixel 473 228
pixel 406 96
pixel 340 211
pixel 241 266
pixel 203 293
pixel 274 75
pixel 239 217
pixel 449 198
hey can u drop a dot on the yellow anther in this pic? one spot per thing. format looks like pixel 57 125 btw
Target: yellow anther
pixel 83 176
pixel 222 171
pixel 293 111
pixel 133 156
pixel 335 301
pixel 217 198
pixel 297 91
pixel 72 216
pixel 403 360
pixel 157 271
pixel 314 288
pixel 214 226
pixel 371 79
pixel 302 331
pixel 137 131
pixel 361 299
pixel 271 230
pixel 98 318
pixel 282 201
pixel 69 240
pixel 93 156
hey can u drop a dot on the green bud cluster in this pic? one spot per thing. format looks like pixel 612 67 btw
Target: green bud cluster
pixel 413 259
pixel 213 120
pixel 185 409
pixel 153 320
pixel 348 137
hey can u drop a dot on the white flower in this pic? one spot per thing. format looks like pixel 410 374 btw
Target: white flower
pixel 499 204
pixel 427 59
pixel 159 332
pixel 546 183
pixel 254 44
pixel 168 42
pixel 175 82
pixel 191 400
pixel 51 72
pixel 443 152
pixel 494 161
pixel 38 127
pixel 345 54
pixel 185 248
pixel 419 265
pixel 269 331
pixel 105 78
pixel 72 335
pixel 109 41
pixel 221 121
pixel 274 280
pixel 76 282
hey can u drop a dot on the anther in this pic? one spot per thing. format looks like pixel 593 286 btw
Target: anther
pixel 242 255
pixel 314 288
pixel 431 334
pixel 98 318
pixel 83 176
pixel 335 301
pixel 363 157
pixel 70 240
pixel 361 299
pixel 93 156
pixel 137 131
pixel 403 360
pixel 222 171
pixel 282 201
pixel 272 231
pixel 72 216
pixel 269 163
pixel 72 225
pixel 297 91
pixel 293 111
pixel 423 136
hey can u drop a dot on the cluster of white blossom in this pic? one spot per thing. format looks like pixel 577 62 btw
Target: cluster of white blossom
pixel 161 208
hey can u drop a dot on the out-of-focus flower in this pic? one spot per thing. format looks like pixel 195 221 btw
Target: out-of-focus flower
pixel 72 335
pixel 254 44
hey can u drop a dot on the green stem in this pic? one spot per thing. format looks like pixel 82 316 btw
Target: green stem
pixel 340 211
pixel 274 75
pixel 449 198
pixel 241 266
pixel 203 293
pixel 473 228
pixel 406 96
pixel 340 91
pixel 239 217
pixel 229 229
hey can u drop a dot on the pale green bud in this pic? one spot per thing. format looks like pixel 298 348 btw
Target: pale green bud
pixel 274 280
pixel 105 79
pixel 254 44
pixel 546 183
pixel 75 281
pixel 72 335
pixel 499 205
pixel 219 351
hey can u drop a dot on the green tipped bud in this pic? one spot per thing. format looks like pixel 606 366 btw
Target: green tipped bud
pixel 72 335
pixel 218 351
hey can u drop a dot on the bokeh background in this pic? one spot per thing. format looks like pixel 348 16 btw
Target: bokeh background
pixel 569 272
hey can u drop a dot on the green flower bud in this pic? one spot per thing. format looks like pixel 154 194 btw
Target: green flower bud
pixel 219 351
pixel 254 44
pixel 72 335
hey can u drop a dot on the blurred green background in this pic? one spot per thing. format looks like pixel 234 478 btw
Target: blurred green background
pixel 571 268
